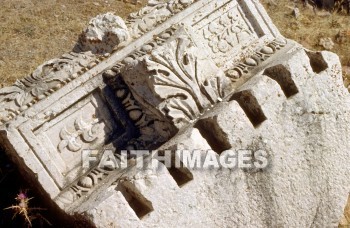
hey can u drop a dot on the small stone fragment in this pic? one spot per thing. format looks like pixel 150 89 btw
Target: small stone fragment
pixel 327 43
pixel 104 33
pixel 296 12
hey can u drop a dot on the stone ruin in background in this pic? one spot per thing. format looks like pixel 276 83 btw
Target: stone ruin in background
pixel 186 74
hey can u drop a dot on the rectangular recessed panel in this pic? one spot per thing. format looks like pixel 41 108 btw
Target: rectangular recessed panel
pixel 59 142
pixel 224 33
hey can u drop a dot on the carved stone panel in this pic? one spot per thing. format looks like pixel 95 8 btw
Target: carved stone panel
pixel 225 32
pixel 174 61
pixel 58 142
pixel 177 79
pixel 45 80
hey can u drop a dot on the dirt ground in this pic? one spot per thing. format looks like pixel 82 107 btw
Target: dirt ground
pixel 311 26
pixel 32 32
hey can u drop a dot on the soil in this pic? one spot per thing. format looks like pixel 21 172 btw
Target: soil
pixel 32 32
pixel 311 26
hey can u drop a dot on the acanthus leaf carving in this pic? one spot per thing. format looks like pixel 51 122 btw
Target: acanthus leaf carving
pixel 176 79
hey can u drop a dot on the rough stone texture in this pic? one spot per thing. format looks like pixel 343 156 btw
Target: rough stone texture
pixel 104 33
pixel 306 184
pixel 105 215
pixel 327 43
pixel 208 75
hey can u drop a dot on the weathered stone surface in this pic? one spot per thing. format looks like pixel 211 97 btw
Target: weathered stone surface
pixel 104 33
pixel 196 75
pixel 326 43
pixel 306 184
pixel 104 213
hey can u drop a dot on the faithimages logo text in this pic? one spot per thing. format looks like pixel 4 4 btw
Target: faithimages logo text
pixel 191 159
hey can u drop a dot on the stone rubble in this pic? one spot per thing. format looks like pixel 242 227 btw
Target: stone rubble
pixel 104 33
pixel 326 43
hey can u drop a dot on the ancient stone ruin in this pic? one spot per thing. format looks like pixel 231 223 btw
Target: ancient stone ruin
pixel 210 75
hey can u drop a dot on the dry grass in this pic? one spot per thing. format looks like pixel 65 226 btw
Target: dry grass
pixel 345 222
pixel 34 31
pixel 309 28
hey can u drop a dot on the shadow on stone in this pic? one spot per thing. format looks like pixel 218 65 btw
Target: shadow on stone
pixel 283 77
pixel 317 62
pixel 250 106
pixel 136 200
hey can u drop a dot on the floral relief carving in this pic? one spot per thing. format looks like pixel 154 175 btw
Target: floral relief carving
pixel 47 78
pixel 84 132
pixel 176 79
pixel 154 14
pixel 226 32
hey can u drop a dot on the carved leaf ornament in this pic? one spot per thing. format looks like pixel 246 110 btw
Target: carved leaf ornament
pixel 175 77
pixel 226 32
pixel 84 132
pixel 47 76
